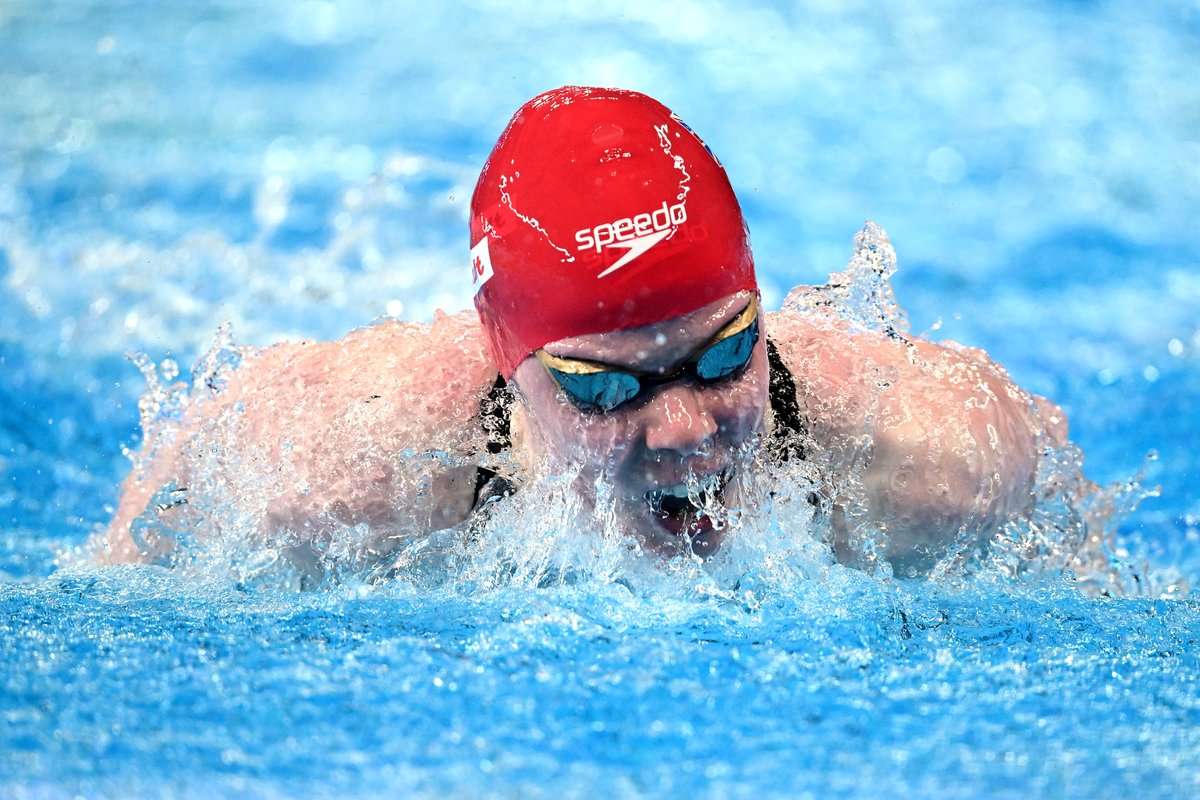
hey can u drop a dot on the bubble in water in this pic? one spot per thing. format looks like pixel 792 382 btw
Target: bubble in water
pixel 271 203
pixel 946 165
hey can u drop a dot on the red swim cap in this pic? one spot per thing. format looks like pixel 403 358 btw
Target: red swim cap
pixel 599 210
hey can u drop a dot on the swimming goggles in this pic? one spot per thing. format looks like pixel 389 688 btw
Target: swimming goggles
pixel 593 386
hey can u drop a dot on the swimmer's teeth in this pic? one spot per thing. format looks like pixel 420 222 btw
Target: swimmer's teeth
pixel 675 500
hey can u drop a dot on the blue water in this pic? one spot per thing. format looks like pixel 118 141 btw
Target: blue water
pixel 301 168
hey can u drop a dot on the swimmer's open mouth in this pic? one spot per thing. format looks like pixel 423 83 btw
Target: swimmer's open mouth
pixel 680 509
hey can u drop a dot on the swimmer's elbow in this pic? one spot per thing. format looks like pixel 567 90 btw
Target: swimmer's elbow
pixel 149 499
pixel 956 478
pixel 116 544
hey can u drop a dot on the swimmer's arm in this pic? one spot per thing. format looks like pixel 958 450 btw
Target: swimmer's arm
pixel 945 444
pixel 377 429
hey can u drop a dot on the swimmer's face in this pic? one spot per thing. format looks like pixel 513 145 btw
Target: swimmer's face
pixel 671 437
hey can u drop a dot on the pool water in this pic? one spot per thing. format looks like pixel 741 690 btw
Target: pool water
pixel 299 169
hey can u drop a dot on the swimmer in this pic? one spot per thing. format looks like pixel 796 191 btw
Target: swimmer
pixel 618 336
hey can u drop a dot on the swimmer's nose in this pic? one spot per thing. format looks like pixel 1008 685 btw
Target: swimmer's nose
pixel 677 419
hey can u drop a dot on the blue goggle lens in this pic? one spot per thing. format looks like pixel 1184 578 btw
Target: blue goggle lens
pixel 609 389
pixel 728 355
pixel 602 391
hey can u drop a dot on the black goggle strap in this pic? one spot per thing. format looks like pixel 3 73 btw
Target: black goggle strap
pixel 578 366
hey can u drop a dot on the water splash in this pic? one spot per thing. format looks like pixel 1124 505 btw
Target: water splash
pixel 862 293
pixel 249 508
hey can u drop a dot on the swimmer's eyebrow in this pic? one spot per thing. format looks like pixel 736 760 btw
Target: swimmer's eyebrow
pixel 708 339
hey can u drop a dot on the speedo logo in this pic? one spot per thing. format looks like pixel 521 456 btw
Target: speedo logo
pixel 636 234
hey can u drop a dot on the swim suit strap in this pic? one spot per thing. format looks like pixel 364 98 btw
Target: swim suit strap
pixel 789 426
pixel 495 417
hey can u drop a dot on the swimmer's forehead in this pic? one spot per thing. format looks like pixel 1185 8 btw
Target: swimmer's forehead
pixel 658 345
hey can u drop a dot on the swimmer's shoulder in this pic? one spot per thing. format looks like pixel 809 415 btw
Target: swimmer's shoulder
pixel 803 340
pixel 392 386
pixel 392 359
